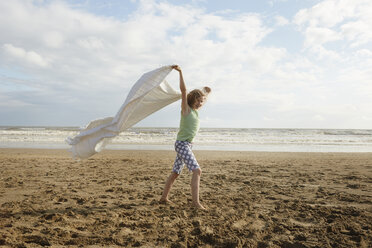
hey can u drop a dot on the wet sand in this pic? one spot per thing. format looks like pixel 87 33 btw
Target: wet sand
pixel 254 199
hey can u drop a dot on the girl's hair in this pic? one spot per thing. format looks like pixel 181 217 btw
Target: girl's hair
pixel 195 94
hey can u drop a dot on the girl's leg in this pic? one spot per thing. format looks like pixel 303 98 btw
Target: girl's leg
pixel 195 183
pixel 168 186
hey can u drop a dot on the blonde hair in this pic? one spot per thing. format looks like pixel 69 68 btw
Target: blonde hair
pixel 195 94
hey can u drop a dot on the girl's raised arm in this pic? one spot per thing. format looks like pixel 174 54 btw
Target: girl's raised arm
pixel 184 106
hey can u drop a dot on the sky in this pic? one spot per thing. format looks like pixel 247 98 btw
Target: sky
pixel 270 63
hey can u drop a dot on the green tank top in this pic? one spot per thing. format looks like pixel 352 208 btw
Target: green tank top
pixel 189 126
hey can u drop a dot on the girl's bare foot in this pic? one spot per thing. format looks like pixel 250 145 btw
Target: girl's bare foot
pixel 166 201
pixel 198 206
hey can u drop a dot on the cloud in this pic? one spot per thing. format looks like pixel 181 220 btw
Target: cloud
pixel 7 102
pixel 357 32
pixel 84 64
pixel 53 39
pixel 64 51
pixel 22 55
pixel 273 2
pixel 332 20
pixel 84 49
pixel 329 13
pixel 315 36
pixel 281 21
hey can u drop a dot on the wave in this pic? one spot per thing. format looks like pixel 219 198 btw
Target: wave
pixel 38 128
pixel 357 132
pixel 221 137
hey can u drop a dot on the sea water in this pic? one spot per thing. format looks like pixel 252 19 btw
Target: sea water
pixel 223 139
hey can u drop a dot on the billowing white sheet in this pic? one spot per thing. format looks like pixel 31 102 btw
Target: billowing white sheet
pixel 149 94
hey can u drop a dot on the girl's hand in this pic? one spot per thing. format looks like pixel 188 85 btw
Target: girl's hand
pixel 176 67
pixel 207 89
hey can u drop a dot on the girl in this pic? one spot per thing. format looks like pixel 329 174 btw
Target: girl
pixel 189 126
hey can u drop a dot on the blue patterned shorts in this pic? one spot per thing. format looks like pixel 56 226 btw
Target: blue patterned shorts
pixel 184 156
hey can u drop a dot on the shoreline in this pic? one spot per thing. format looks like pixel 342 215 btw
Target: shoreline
pixel 170 153
pixel 219 148
pixel 220 139
pixel 254 199
pixel 213 155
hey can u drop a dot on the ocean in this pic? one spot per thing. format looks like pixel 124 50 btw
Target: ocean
pixel 222 139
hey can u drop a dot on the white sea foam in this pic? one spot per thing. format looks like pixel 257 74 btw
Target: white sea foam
pixel 240 139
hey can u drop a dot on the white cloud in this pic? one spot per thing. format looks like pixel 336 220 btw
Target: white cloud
pixel 22 55
pixel 364 53
pixel 273 2
pixel 327 13
pixel 53 39
pixel 281 21
pixel 315 36
pixel 325 54
pixel 318 118
pixel 358 32
pixel 84 64
pixel 332 20
pixel 82 54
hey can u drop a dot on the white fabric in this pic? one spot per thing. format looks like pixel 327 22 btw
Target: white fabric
pixel 149 94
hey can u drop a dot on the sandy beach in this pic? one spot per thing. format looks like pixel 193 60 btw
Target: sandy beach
pixel 254 199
